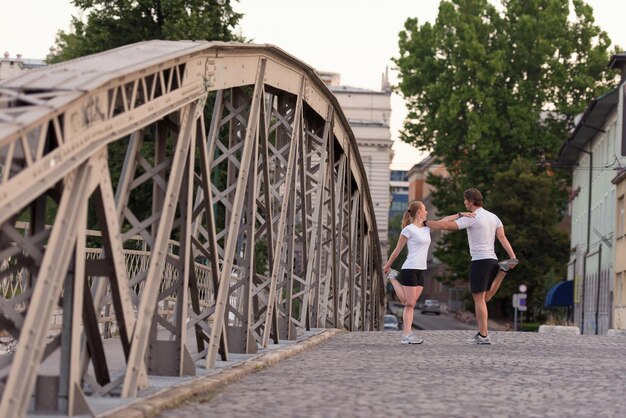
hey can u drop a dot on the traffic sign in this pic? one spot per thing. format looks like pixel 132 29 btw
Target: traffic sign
pixel 519 301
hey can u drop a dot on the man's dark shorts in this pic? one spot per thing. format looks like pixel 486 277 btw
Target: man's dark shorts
pixel 411 277
pixel 482 273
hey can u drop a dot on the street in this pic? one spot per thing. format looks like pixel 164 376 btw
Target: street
pixel 438 322
pixel 432 322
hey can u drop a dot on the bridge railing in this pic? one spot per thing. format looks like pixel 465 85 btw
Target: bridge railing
pixel 14 283
pixel 234 169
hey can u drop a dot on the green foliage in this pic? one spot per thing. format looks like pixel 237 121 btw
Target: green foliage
pixel 395 227
pixel 530 326
pixel 531 219
pixel 481 85
pixel 113 23
pixel 492 93
pixel 261 258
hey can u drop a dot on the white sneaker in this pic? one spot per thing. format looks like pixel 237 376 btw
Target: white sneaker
pixel 411 339
pixel 393 274
pixel 480 340
pixel 507 265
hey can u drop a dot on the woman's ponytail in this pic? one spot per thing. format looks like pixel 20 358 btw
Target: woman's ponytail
pixel 411 213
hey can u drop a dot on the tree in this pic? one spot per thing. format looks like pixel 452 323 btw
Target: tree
pixel 486 86
pixel 531 221
pixel 395 227
pixel 113 23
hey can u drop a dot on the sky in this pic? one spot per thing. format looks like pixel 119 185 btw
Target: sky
pixel 355 38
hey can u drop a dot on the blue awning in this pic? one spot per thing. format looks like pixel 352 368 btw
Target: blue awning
pixel 561 294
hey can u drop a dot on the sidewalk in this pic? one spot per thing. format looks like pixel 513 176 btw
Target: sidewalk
pixel 182 389
pixel 168 392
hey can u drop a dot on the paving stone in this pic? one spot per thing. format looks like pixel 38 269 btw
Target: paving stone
pixel 372 374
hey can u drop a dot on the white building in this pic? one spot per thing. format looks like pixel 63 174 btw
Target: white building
pixel 595 151
pixel 368 113
pixel 10 67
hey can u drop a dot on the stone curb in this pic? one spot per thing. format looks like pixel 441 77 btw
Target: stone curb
pixel 558 329
pixel 154 404
pixel 616 332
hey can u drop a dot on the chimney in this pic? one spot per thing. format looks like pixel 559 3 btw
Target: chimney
pixel 6 55
pixel 416 189
pixel 19 56
pixel 618 61
pixel 385 86
pixel 417 182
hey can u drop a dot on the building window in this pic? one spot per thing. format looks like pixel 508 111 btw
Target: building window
pixel 398 175
pixel 621 289
pixel 620 217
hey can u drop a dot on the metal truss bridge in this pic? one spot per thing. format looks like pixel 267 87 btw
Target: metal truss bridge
pixel 167 192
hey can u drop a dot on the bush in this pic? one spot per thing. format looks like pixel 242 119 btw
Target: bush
pixel 530 326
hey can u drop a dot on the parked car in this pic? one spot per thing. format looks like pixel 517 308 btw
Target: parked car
pixel 391 323
pixel 431 306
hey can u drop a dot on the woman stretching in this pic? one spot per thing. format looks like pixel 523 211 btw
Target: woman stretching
pixel 410 282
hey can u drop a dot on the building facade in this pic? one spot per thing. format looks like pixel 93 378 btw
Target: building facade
pixel 619 288
pixel 369 113
pixel 10 67
pixel 595 151
pixel 399 194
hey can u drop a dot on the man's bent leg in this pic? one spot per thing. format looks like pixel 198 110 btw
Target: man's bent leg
pixel 495 285
pixel 480 308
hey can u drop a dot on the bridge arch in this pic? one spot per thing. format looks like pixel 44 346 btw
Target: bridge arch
pixel 239 214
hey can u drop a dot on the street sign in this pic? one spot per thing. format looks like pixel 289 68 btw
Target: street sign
pixel 522 288
pixel 519 301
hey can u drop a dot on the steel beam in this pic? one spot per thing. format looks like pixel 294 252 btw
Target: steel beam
pixel 275 174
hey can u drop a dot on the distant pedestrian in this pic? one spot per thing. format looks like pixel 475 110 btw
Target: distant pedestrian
pixel 486 274
pixel 409 283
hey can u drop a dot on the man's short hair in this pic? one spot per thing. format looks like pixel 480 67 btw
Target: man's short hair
pixel 474 196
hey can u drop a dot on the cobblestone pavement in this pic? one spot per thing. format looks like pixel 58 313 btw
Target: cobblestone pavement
pixel 370 374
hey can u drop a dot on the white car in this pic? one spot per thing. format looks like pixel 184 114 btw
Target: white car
pixel 391 323
pixel 431 306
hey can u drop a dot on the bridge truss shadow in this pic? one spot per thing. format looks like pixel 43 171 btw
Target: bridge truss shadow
pixel 166 189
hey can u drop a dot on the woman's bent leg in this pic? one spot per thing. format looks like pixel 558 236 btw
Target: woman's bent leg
pixel 412 294
pixel 399 289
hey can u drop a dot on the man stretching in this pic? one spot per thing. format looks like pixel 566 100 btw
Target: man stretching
pixel 486 274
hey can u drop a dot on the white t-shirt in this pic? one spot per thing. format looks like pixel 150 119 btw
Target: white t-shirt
pixel 481 233
pixel 418 241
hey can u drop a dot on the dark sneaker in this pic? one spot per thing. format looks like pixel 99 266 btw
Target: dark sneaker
pixel 411 339
pixel 480 340
pixel 507 265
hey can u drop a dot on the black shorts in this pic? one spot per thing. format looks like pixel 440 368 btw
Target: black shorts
pixel 482 273
pixel 411 277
